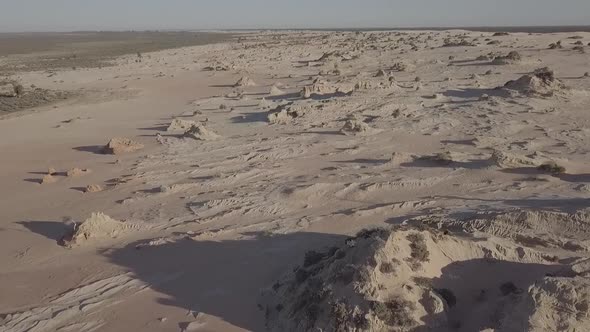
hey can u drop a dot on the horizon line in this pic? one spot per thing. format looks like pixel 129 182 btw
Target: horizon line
pixel 483 28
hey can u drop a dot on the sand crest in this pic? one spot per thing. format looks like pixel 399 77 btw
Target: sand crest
pixel 409 277
pixel 201 133
pixel 98 226
pixel 119 145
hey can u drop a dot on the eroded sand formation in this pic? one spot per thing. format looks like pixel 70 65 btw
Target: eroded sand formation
pixel 492 273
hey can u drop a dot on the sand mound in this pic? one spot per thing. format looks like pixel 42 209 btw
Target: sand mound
pixel 48 179
pixel 542 82
pixel 180 125
pixel 283 114
pixel 402 66
pixel 415 278
pixel 324 89
pixel 201 133
pixel 245 81
pixel 510 59
pixel 120 145
pixel 398 158
pixel 98 226
pixel 93 188
pixel 75 172
pixel 507 160
pixel 318 89
pixel 357 127
pixel 381 73
pixel 280 117
pixel 8 90
pixel 372 85
pixel 275 91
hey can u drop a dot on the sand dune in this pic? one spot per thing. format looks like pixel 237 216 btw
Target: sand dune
pixel 415 277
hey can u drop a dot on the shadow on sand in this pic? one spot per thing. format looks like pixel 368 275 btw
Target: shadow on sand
pixel 483 287
pixel 251 117
pixel 224 278
pixel 470 164
pixel 52 230
pixel 96 149
pixel 559 204
pixel 532 171
pixel 220 278
pixel 475 93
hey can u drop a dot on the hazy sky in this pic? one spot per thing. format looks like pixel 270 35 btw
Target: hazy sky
pixel 64 15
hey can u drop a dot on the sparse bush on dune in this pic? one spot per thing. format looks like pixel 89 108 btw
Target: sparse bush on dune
pixel 201 133
pixel 552 168
pixel 556 45
pixel 382 279
pixel 419 249
pixel 457 43
pixel 542 82
pixel 395 313
pixel 11 89
pixel 579 49
pixel 512 58
pixel 19 89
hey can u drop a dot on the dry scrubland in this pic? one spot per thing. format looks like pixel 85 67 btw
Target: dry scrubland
pixel 301 181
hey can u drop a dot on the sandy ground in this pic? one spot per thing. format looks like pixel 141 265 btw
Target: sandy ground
pixel 398 129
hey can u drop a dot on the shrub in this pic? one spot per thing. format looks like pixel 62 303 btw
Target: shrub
pixel 552 167
pixel 19 89
pixel 394 312
pixel 579 49
pixel 418 247
pixel 386 268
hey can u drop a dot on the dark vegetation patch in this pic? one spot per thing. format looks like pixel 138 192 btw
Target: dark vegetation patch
pixel 91 49
pixel 26 99
pixel 395 312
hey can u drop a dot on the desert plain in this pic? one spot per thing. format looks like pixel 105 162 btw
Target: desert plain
pixel 295 181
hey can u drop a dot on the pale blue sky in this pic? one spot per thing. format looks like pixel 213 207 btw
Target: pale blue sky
pixel 65 15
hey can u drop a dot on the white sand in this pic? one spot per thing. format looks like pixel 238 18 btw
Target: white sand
pixel 218 220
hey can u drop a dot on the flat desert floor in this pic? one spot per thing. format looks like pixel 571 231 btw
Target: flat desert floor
pixel 299 181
